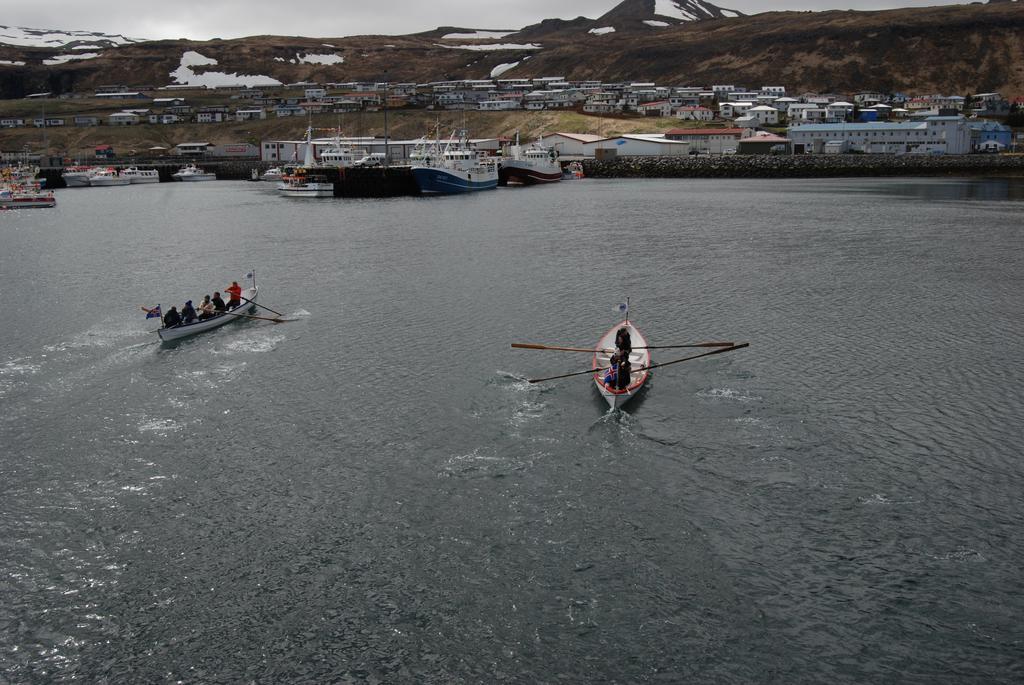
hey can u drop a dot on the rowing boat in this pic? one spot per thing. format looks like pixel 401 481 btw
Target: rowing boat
pixel 216 321
pixel 639 358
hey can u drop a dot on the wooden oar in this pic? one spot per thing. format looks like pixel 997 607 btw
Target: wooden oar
pixel 641 368
pixel 260 305
pixel 537 346
pixel 250 316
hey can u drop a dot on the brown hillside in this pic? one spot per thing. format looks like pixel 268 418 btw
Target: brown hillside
pixel 953 49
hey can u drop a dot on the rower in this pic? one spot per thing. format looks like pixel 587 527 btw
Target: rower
pixel 218 303
pixel 623 342
pixel 172 318
pixel 625 369
pixel 235 294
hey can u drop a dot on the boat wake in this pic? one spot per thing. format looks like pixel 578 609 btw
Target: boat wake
pixel 256 342
pixel 727 394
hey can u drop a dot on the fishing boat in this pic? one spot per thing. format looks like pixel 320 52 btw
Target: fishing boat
pixel 573 171
pixel 303 184
pixel 136 175
pixel 639 359
pixel 202 325
pixel 191 172
pixel 529 165
pixel 272 174
pixel 455 168
pixel 20 197
pixel 77 176
pixel 108 177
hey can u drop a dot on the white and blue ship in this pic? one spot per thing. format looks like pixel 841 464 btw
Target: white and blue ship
pixel 455 168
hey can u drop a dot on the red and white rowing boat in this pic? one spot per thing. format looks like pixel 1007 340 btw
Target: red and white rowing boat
pixel 639 359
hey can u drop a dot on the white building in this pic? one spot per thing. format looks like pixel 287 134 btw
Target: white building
pixel 764 115
pixel 711 141
pixel 637 145
pixel 250 114
pixel 695 114
pixel 838 111
pixel 946 135
pixel 123 119
pixel 573 144
pixel 497 105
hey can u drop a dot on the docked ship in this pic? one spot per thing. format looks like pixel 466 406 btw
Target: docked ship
pixel 455 168
pixel 529 165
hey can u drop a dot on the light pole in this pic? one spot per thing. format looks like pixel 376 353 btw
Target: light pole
pixel 387 151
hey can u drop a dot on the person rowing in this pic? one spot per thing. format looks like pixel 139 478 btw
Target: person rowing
pixel 234 292
pixel 172 318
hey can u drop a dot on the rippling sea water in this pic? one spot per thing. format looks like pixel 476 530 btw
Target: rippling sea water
pixel 373 492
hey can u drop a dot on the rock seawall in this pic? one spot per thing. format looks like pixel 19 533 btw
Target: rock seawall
pixel 805 166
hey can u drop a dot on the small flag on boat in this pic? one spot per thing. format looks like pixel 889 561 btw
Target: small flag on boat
pixel 622 308
pixel 249 275
pixel 152 313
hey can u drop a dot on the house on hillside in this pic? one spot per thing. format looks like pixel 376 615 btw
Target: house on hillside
pixel 658 108
pixel 694 114
pixel 192 149
pixel 254 114
pixel 84 121
pixel 123 119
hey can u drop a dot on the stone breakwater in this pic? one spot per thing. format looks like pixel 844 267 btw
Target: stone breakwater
pixel 805 166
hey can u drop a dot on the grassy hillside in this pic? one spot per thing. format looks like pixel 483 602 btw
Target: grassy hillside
pixel 80 142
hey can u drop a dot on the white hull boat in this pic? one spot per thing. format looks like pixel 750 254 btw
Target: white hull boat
pixel 303 185
pixel 193 173
pixel 23 198
pixel 135 175
pixel 77 177
pixel 639 359
pixel 108 177
pixel 201 326
pixel 529 165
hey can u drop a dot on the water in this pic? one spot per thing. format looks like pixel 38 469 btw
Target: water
pixel 373 492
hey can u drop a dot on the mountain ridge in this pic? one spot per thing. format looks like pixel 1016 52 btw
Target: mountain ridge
pixel 952 48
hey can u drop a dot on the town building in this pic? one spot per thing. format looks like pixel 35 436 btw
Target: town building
pixel 934 135
pixel 710 141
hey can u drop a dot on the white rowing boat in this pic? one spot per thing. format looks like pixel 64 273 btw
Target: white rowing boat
pixel 639 359
pixel 203 325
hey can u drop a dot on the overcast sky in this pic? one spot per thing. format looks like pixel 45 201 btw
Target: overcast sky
pixel 205 19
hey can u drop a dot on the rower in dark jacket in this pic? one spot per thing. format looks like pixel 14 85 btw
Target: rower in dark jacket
pixel 188 313
pixel 625 369
pixel 622 341
pixel 218 303
pixel 172 318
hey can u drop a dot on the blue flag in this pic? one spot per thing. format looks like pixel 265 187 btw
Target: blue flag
pixel 152 313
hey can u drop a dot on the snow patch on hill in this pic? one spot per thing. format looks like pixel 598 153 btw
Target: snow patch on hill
pixel 476 34
pixel 655 23
pixel 64 59
pixel 184 75
pixel 670 8
pixel 317 59
pixel 10 63
pixel 603 30
pixel 502 68
pixel 493 46
pixel 53 38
